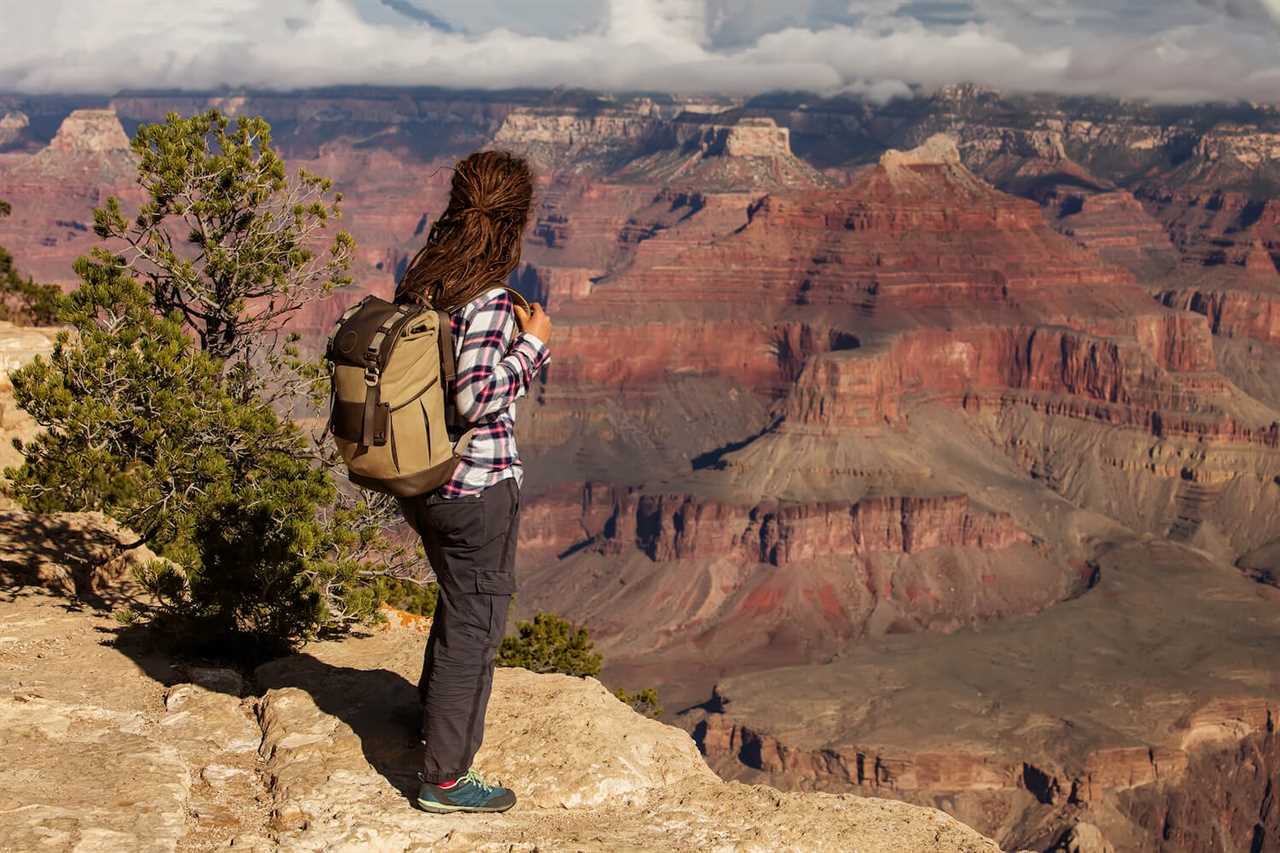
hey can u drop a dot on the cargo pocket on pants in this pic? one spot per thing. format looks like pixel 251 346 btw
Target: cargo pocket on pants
pixel 498 576
pixel 500 579
pixel 496 583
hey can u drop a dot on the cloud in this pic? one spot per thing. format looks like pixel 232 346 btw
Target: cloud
pixel 1174 50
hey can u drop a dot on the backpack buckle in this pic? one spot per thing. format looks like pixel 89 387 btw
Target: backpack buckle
pixel 371 375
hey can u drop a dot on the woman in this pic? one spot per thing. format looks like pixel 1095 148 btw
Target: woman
pixel 469 525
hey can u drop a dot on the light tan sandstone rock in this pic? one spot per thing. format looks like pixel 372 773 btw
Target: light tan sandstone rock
pixel 101 753
pixel 90 132
pixel 340 753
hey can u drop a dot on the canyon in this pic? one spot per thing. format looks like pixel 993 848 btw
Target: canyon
pixel 927 450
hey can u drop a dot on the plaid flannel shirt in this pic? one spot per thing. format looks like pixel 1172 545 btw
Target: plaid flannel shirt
pixel 496 364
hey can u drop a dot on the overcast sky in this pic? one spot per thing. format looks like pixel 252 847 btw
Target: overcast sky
pixel 1178 50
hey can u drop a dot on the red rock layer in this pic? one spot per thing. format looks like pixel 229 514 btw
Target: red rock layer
pixel 1115 225
pixel 878 774
pixel 847 247
pixel 1234 312
pixel 676 527
pixel 54 191
pixel 902 525
pixel 969 245
pixel 1225 799
pixel 1097 774
pixel 1215 227
pixel 864 388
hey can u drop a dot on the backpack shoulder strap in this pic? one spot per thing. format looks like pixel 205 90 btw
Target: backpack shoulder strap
pixel 448 359
pixel 516 296
pixel 448 362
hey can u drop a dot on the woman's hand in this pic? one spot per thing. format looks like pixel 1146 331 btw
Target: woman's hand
pixel 535 322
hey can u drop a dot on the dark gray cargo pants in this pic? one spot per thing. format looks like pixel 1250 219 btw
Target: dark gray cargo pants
pixel 471 543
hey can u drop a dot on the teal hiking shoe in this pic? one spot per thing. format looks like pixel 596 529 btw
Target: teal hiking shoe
pixel 468 794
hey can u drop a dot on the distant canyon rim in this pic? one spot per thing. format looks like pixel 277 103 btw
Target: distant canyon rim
pixel 928 450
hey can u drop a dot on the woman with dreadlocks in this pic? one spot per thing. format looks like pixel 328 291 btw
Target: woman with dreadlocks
pixel 469 525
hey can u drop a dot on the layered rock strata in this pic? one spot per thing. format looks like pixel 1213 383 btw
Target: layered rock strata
pixel 1118 727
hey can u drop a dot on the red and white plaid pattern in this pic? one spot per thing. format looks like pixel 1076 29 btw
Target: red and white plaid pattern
pixel 496 365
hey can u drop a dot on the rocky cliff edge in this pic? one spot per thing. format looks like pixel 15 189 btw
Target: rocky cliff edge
pixel 110 745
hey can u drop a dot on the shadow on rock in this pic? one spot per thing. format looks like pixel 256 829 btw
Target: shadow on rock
pixel 379 705
pixel 76 555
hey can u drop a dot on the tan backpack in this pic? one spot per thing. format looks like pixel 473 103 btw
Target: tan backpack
pixel 389 367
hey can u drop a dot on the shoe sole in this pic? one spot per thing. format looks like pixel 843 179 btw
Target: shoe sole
pixel 442 808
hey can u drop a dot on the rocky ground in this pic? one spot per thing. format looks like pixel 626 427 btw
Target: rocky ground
pixel 111 744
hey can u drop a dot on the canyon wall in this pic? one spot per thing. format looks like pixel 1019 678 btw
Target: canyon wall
pixel 679 526
pixel 1164 760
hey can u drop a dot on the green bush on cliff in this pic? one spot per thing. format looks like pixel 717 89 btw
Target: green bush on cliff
pixel 644 701
pixel 22 300
pixel 169 403
pixel 226 241
pixel 409 595
pixel 139 425
pixel 551 644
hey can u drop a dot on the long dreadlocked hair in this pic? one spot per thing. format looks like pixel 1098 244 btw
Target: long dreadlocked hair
pixel 475 244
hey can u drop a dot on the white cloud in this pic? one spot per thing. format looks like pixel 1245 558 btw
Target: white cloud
pixel 1166 49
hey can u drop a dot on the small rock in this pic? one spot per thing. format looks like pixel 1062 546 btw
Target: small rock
pixel 211 815
pixel 288 818
pixel 1083 838
pixel 218 775
pixel 217 678
pixel 199 720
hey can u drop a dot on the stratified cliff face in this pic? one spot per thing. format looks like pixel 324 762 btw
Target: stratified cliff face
pixel 86 132
pixel 1116 226
pixel 1234 312
pixel 779 581
pixel 919 322
pixel 654 142
pixel 53 192
pixel 835 384
pixel 1135 724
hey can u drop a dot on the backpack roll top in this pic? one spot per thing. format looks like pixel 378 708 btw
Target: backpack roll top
pixel 390 366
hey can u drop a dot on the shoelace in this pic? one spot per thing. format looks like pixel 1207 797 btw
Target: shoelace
pixel 474 778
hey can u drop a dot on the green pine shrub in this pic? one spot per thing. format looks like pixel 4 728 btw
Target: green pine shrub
pixel 226 240
pixel 139 425
pixel 644 701
pixel 551 644
pixel 409 595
